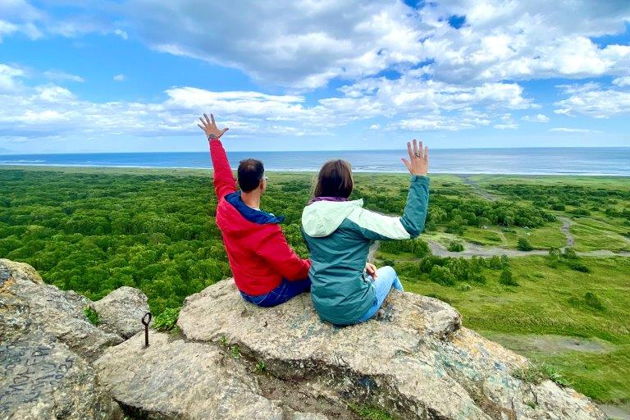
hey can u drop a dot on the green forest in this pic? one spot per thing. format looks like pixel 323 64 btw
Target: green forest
pixel 546 257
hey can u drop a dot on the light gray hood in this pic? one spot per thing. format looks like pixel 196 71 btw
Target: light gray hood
pixel 322 218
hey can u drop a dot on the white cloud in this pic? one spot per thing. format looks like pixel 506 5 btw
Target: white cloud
pixel 9 78
pixel 525 40
pixel 411 92
pixel 622 81
pixel 52 110
pixel 120 78
pixel 19 16
pixel 593 101
pixel 438 121
pixel 538 118
pixel 301 44
pixel 574 130
pixel 61 76
pixel 507 126
pixel 305 44
pixel 121 33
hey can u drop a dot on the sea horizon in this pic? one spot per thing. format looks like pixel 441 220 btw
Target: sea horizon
pixel 599 161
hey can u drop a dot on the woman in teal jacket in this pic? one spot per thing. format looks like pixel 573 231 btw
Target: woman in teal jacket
pixel 346 289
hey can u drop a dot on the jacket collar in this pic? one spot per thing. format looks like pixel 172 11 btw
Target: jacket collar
pixel 252 215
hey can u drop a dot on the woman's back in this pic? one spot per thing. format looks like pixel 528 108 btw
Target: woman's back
pixel 339 234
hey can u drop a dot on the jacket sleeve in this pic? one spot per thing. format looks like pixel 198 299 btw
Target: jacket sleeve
pixel 224 182
pixel 376 226
pixel 275 250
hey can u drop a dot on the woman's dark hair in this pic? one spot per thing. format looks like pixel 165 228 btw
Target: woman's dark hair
pixel 334 179
pixel 250 173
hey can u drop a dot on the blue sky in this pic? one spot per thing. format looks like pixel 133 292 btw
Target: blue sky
pixel 133 75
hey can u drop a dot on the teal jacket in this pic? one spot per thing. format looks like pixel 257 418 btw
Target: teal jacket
pixel 339 234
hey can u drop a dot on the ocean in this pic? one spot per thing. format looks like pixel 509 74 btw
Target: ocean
pixel 613 161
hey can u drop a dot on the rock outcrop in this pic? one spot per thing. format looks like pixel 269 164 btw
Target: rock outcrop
pixel 230 359
pixel 120 311
pixel 28 304
pixel 47 345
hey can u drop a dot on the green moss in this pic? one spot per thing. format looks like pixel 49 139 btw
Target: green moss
pixel 370 412
pixel 536 373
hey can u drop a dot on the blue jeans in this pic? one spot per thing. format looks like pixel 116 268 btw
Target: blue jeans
pixel 385 280
pixel 285 291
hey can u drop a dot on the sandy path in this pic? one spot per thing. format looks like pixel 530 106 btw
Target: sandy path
pixel 566 230
pixel 473 250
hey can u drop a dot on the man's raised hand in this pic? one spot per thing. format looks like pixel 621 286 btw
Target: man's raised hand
pixel 210 127
pixel 418 163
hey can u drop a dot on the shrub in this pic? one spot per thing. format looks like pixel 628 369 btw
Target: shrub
pixel 427 263
pixel 524 245
pixel 569 253
pixel 464 287
pixel 477 278
pixel 387 261
pixel 494 263
pixel 417 247
pixel 593 301
pixel 580 212
pixel 455 246
pixel 578 266
pixel 455 228
pixel 442 275
pixel 554 258
pixel 507 279
pixel 91 315
pixel 167 320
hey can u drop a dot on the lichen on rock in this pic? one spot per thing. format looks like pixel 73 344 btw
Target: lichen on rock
pixel 45 351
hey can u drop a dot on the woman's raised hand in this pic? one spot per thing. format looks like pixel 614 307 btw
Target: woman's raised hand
pixel 418 163
pixel 210 127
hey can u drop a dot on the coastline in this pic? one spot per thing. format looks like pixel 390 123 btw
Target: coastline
pixel 183 170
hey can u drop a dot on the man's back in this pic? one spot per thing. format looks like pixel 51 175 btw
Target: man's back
pixel 257 250
pixel 259 255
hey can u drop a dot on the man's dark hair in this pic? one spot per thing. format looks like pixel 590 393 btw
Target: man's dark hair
pixel 250 173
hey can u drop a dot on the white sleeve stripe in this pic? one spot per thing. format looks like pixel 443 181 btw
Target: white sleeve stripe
pixel 388 226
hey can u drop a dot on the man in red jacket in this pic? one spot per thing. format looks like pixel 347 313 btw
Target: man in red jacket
pixel 265 268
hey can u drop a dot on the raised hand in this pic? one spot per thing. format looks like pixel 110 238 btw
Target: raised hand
pixel 418 163
pixel 210 127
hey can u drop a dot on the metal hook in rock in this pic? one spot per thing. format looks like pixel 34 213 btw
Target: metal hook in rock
pixel 146 320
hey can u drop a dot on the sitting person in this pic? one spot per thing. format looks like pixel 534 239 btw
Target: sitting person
pixel 345 290
pixel 266 270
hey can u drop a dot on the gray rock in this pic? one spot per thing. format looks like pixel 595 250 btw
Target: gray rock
pixel 417 362
pixel 41 377
pixel 179 379
pixel 121 311
pixel 45 335
pixel 235 360
pixel 26 303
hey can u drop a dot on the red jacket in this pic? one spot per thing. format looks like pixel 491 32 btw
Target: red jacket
pixel 259 255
